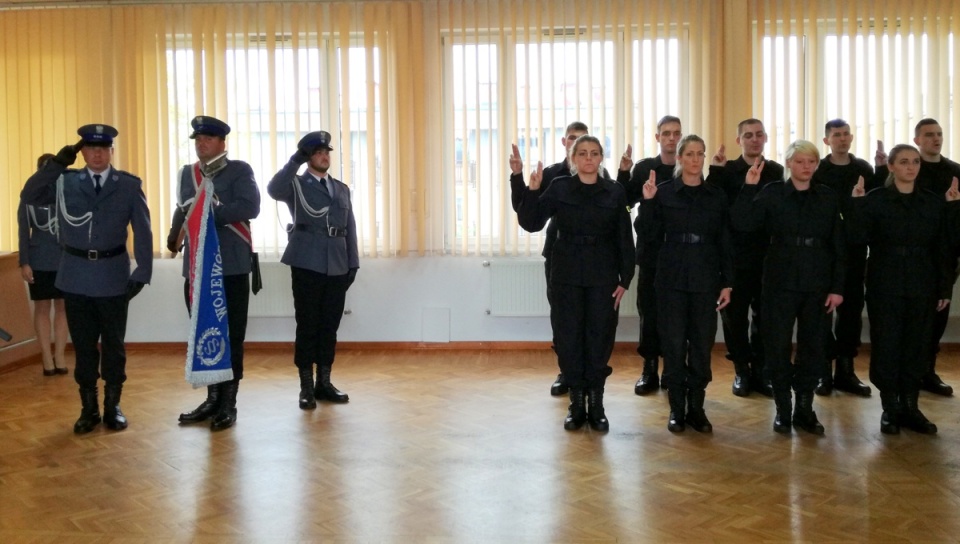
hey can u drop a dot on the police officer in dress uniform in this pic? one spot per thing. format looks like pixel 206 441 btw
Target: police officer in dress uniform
pixel 323 257
pixel 236 202
pixel 745 339
pixel 95 206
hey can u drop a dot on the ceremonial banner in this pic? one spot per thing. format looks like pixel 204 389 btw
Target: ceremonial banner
pixel 208 347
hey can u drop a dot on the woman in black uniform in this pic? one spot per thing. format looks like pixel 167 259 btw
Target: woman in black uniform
pixel 39 260
pixel 909 274
pixel 694 266
pixel 592 265
pixel 802 276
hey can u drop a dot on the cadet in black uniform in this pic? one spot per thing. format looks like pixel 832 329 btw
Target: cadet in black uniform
pixel 936 174
pixel 909 273
pixel 802 276
pixel 744 340
pixel 556 170
pixel 694 266
pixel 840 171
pixel 668 136
pixel 95 206
pixel 592 265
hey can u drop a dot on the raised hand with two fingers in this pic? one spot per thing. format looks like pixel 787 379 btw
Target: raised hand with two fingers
pixel 650 187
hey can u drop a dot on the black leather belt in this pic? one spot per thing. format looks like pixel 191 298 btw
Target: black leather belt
pixel 580 239
pixel 95 255
pixel 796 241
pixel 687 238
pixel 907 251
pixel 333 232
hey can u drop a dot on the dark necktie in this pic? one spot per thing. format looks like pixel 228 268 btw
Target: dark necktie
pixel 96 179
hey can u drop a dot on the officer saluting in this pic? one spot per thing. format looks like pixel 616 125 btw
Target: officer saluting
pixel 323 258
pixel 236 202
pixel 95 205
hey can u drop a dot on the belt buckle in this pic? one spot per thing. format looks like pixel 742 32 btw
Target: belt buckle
pixel 93 254
pixel 332 231
pixel 694 238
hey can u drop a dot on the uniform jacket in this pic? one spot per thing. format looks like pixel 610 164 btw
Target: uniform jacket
pixel 911 244
pixel 38 248
pixel 647 249
pixel 239 200
pixel 119 204
pixel 594 240
pixel 677 210
pixel 785 216
pixel 310 244
pixel 933 176
pixel 748 248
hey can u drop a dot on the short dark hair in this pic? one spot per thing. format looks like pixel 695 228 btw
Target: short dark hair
pixel 668 119
pixel 750 121
pixel 922 123
pixel 834 123
pixel 577 126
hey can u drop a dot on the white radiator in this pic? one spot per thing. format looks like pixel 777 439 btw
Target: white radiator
pixel 276 297
pixel 518 288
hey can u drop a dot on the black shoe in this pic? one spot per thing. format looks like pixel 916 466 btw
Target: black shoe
pixel 113 417
pixel 933 384
pixel 824 387
pixel 559 387
pixel 764 387
pixel 61 370
pixel 889 423
pixel 325 390
pixel 596 414
pixel 51 372
pixel 892 410
pixel 577 413
pixel 207 409
pixel 307 400
pixel 782 423
pixel 227 414
pixel 90 411
pixel 678 398
pixel 804 417
pixel 846 379
pixel 912 418
pixel 696 417
pixel 741 380
pixel 649 381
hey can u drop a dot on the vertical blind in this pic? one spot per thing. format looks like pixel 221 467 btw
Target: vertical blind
pixel 424 97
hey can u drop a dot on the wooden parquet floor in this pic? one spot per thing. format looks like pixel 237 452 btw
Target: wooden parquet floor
pixel 461 446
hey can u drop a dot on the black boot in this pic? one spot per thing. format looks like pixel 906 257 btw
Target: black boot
pixel 825 385
pixel 803 415
pixel 846 379
pixel 90 411
pixel 741 381
pixel 227 414
pixel 307 402
pixel 577 414
pixel 113 418
pixel 678 399
pixel 912 418
pixel 325 390
pixel 782 422
pixel 696 417
pixel 596 415
pixel 649 381
pixel 758 383
pixel 207 409
pixel 932 383
pixel 890 419
pixel 559 387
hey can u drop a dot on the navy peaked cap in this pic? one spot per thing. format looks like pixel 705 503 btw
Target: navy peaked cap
pixel 209 126
pixel 319 139
pixel 101 135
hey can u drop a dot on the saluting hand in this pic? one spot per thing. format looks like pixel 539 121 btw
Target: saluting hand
pixel 650 187
pixel 617 295
pixel 720 159
pixel 953 193
pixel 536 177
pixel 833 300
pixel 880 159
pixel 626 161
pixel 858 189
pixel 516 163
pixel 942 304
pixel 753 174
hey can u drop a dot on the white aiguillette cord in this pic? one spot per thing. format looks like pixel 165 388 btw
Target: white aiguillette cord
pixel 72 220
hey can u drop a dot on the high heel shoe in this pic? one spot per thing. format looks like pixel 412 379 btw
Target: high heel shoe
pixel 50 372
pixel 61 370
